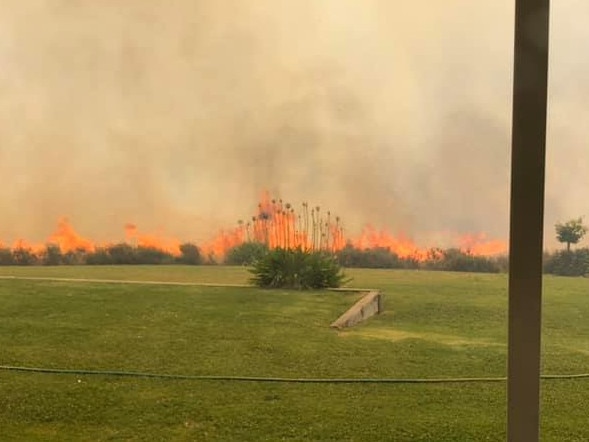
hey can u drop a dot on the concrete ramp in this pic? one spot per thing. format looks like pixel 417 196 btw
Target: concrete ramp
pixel 369 305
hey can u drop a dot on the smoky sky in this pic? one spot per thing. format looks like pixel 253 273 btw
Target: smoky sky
pixel 176 115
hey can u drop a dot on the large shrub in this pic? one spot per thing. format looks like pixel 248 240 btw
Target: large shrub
pixel 456 260
pixel 75 257
pixel 246 254
pixel 568 262
pixel 99 257
pixel 189 254
pixel 6 257
pixel 126 254
pixel 24 257
pixel 374 258
pixel 52 255
pixel 297 269
pixel 151 255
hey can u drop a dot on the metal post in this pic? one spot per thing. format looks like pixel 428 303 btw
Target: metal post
pixel 527 218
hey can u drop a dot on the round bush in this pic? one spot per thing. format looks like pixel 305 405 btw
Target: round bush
pixel 297 269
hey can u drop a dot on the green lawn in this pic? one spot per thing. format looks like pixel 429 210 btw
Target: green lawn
pixel 435 325
pixel 172 273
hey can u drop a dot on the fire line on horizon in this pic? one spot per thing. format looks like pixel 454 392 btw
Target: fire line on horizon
pixel 276 224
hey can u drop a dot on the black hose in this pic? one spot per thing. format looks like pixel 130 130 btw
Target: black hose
pixel 278 379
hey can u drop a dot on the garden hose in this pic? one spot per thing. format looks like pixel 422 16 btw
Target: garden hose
pixel 278 379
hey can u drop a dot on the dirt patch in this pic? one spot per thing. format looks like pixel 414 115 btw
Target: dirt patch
pixel 400 335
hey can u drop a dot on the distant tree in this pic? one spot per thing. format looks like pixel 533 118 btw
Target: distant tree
pixel 570 232
pixel 122 253
pixel 23 256
pixel 246 254
pixel 100 256
pixel 456 260
pixel 189 254
pixel 6 257
pixel 152 255
pixel 374 258
pixel 75 257
pixel 52 255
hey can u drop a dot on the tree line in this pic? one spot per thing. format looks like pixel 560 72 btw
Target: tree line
pixel 247 254
pixel 566 262
pixel 122 253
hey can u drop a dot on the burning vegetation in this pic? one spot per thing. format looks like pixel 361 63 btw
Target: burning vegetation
pixel 275 225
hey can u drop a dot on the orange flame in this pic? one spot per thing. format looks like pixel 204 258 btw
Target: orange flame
pixel 400 245
pixel 474 244
pixel 21 244
pixel 479 244
pixel 276 224
pixel 219 246
pixel 68 239
pixel 155 241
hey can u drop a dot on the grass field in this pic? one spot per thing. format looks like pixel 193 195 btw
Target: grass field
pixel 435 325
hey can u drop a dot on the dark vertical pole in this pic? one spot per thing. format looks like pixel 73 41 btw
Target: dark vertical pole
pixel 527 218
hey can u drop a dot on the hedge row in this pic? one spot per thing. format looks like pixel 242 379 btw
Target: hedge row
pixel 565 263
pixel 116 254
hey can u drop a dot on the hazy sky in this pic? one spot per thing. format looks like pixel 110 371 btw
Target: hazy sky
pixel 177 114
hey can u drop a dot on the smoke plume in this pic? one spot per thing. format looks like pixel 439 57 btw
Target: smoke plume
pixel 176 115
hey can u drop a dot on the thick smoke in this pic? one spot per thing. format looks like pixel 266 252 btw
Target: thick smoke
pixel 175 115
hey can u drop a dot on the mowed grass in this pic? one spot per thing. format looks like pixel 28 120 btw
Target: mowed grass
pixel 436 325
pixel 172 273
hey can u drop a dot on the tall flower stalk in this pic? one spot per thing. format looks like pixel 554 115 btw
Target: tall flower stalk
pixel 279 225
